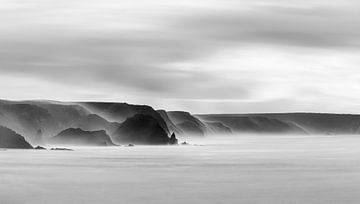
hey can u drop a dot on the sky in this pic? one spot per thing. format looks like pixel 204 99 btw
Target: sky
pixel 202 56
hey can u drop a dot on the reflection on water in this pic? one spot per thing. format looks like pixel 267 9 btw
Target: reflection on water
pixel 227 169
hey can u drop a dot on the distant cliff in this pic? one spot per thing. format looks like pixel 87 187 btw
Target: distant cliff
pixel 39 121
pixel 311 123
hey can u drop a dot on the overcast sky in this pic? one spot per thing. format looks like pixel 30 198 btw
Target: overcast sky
pixel 204 56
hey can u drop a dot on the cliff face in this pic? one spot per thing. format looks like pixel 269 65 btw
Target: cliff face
pixel 26 119
pixel 217 128
pixel 187 123
pixel 10 139
pixel 119 112
pixel 320 123
pixel 93 122
pixel 77 136
pixel 40 120
pixel 171 126
pixel 311 123
pixel 141 129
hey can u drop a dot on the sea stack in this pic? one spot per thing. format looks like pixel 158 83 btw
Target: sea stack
pixel 173 140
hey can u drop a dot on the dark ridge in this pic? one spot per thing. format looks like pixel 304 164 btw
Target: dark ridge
pixel 77 136
pixel 141 129
pixel 10 139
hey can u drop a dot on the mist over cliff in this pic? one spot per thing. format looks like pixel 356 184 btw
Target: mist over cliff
pixel 111 123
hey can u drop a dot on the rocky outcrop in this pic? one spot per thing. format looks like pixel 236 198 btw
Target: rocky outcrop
pixel 141 129
pixel 77 136
pixel 173 140
pixel 10 139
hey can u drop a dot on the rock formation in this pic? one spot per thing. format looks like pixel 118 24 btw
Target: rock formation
pixel 10 139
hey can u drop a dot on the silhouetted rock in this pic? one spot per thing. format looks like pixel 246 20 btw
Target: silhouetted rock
pixel 173 140
pixel 40 148
pixel 184 143
pixel 77 136
pixel 141 129
pixel 10 139
pixel 130 145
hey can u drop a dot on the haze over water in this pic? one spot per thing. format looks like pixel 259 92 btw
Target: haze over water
pixel 235 169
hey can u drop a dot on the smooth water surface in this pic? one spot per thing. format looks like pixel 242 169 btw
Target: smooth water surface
pixel 227 169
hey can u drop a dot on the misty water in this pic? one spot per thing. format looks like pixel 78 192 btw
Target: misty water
pixel 226 169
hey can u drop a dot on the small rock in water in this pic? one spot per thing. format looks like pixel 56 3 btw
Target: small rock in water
pixel 40 148
pixel 173 140
pixel 185 143
pixel 130 145
pixel 65 149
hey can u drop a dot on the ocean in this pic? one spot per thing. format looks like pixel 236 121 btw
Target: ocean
pixel 219 169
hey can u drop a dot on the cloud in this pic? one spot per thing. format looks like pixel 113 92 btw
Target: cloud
pixel 164 50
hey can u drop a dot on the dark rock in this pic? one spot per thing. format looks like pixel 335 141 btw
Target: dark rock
pixel 40 148
pixel 130 145
pixel 141 129
pixel 173 140
pixel 10 139
pixel 61 149
pixel 185 143
pixel 77 136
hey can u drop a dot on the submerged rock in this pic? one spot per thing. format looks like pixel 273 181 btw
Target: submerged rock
pixel 40 148
pixel 61 149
